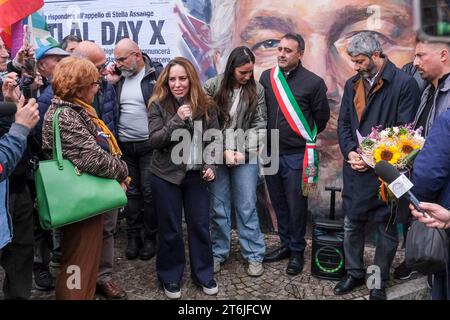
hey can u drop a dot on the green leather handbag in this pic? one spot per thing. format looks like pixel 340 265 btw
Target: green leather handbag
pixel 65 195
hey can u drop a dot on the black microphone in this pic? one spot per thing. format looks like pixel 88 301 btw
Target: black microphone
pixel 7 108
pixel 398 183
pixel 179 101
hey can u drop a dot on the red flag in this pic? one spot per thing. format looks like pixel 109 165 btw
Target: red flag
pixel 5 34
pixel 12 11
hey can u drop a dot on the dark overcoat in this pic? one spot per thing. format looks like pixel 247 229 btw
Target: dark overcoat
pixel 393 104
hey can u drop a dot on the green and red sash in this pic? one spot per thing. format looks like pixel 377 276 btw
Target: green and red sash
pixel 298 123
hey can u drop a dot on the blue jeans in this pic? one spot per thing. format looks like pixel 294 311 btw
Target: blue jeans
pixel 238 186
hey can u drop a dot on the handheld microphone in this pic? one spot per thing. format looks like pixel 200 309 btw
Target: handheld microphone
pixel 180 102
pixel 398 183
pixel 7 108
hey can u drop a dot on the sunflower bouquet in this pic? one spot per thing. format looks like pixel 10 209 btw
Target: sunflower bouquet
pixel 396 145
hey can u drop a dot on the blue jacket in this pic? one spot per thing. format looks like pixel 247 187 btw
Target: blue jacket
pixel 12 146
pixel 44 101
pixel 431 178
pixel 431 173
pixel 105 103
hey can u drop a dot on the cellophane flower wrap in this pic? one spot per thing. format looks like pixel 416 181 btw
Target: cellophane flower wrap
pixel 396 145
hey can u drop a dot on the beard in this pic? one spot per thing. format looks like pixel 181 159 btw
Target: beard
pixel 127 73
pixel 370 71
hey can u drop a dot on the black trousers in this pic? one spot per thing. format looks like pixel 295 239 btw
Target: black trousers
pixel 290 206
pixel 140 213
pixel 170 199
pixel 17 257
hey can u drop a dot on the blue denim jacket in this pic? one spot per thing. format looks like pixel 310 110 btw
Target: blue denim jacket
pixel 12 146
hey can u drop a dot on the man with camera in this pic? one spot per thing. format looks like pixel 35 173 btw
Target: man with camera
pixel 17 256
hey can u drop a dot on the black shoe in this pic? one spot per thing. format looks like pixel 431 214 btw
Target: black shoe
pixel 402 272
pixel 172 290
pixel 377 294
pixel 43 279
pixel 295 264
pixel 347 284
pixel 133 247
pixel 277 255
pixel 148 250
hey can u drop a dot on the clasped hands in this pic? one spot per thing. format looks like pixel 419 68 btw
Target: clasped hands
pixel 356 162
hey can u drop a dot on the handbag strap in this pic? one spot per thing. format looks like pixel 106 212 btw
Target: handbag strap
pixel 57 148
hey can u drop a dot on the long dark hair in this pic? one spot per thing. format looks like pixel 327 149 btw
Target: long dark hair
pixel 238 57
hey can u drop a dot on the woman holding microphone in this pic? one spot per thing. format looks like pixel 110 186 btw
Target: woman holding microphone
pixel 178 100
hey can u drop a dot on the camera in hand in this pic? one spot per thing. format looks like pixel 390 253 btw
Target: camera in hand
pixel 25 86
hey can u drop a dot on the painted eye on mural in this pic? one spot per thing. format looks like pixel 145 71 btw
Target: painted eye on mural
pixel 266 45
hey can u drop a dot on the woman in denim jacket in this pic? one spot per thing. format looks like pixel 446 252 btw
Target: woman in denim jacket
pixel 242 120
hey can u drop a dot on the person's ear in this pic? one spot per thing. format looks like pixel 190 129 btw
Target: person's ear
pixel 217 60
pixel 444 54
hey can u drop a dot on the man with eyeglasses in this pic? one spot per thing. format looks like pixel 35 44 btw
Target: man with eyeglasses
pixel 134 88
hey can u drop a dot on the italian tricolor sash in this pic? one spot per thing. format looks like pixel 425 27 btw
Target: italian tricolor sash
pixel 298 123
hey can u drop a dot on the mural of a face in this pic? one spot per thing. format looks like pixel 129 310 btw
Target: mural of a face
pixel 327 27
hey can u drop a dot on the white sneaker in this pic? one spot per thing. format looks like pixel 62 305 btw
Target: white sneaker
pixel 172 290
pixel 255 269
pixel 216 265
pixel 210 288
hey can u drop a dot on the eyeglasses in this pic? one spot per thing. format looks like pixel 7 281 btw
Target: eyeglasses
pixel 122 59
pixel 101 67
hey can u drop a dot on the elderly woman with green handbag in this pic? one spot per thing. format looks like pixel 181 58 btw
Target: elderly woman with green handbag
pixel 87 142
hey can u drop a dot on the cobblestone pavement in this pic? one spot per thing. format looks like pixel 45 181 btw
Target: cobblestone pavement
pixel 139 278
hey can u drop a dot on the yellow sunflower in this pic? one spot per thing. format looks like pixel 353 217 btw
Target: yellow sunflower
pixel 390 154
pixel 407 146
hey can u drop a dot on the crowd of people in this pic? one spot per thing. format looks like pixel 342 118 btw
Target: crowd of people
pixel 179 147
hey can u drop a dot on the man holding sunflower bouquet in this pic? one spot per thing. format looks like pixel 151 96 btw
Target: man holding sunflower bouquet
pixel 379 95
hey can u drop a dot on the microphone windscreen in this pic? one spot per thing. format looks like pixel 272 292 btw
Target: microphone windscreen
pixel 179 101
pixel 7 108
pixel 386 171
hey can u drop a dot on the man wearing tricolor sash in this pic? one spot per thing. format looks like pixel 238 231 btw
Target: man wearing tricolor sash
pixel 297 106
pixel 379 94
